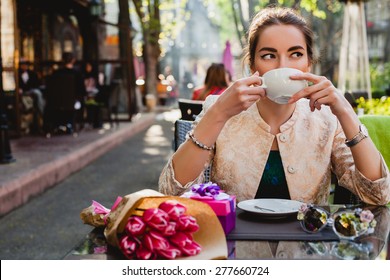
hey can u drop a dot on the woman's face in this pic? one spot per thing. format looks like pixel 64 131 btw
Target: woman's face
pixel 281 46
pixel 88 67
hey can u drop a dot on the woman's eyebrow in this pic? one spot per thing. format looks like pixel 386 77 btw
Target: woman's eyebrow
pixel 296 48
pixel 268 49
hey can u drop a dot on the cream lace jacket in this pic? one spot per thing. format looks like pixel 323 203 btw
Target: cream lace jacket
pixel 311 144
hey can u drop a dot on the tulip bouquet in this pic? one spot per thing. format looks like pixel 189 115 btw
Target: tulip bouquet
pixel 163 232
pixel 148 225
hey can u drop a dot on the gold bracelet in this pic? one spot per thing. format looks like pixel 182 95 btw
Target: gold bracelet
pixel 191 136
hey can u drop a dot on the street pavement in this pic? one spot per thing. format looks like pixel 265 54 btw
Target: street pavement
pixel 49 225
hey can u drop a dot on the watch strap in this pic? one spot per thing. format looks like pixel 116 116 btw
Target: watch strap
pixel 356 139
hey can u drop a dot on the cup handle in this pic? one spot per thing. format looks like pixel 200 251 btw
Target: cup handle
pixel 263 85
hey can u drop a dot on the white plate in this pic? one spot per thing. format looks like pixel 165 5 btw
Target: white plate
pixel 271 207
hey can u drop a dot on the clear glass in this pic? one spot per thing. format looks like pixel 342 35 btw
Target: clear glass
pixel 347 225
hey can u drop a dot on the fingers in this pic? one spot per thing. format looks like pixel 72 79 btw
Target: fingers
pixel 249 86
pixel 316 87
pixel 315 105
pixel 320 92
pixel 253 80
pixel 242 94
pixel 308 77
pixel 255 91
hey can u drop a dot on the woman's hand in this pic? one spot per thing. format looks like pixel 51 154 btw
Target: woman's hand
pixel 239 96
pixel 321 92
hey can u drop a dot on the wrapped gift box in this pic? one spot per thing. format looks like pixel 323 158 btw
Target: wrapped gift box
pixel 224 209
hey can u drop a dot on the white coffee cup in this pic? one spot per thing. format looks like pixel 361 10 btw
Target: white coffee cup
pixel 279 87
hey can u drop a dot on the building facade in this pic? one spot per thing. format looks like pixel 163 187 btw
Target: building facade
pixel 39 31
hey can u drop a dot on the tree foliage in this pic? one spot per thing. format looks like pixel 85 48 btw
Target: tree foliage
pixel 160 21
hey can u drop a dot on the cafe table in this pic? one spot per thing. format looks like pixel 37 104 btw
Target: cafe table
pixel 257 237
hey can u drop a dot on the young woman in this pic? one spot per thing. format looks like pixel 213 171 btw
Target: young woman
pixel 215 82
pixel 260 149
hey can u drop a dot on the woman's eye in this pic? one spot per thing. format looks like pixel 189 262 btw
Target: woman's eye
pixel 297 54
pixel 267 56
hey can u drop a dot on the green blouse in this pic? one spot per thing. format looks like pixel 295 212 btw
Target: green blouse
pixel 273 183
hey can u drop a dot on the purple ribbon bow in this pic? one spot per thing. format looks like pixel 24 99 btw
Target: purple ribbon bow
pixel 207 191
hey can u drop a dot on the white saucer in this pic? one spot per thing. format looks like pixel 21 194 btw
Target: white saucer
pixel 270 207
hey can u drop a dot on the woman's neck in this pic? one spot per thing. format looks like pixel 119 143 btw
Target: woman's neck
pixel 274 114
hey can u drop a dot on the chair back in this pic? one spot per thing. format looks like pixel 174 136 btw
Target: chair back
pixel 353 96
pixel 190 108
pixel 181 129
pixel 108 96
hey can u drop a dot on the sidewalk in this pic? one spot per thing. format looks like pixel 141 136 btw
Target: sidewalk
pixel 43 162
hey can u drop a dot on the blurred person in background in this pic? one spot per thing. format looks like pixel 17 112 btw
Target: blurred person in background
pixel 29 84
pixel 215 82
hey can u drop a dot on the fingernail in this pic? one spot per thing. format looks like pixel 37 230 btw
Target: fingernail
pixel 256 73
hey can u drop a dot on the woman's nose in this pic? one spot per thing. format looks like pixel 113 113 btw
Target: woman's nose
pixel 283 62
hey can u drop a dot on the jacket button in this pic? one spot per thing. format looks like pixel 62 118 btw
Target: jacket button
pixel 283 137
pixel 291 169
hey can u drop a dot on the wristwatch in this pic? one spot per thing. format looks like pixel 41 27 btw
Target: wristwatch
pixel 363 133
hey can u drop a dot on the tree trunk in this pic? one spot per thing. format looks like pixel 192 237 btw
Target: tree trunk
pixel 240 35
pixel 151 29
pixel 386 50
pixel 151 69
pixel 126 53
pixel 296 4
pixel 252 7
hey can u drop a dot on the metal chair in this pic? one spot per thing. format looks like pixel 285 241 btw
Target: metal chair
pixel 342 195
pixel 181 129
pixel 108 97
pixel 190 108
pixel 353 96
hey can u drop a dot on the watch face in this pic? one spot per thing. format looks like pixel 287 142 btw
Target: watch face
pixel 364 130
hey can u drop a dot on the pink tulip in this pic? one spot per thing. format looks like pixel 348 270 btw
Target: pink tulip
pixel 187 223
pixel 181 239
pixel 169 230
pixel 154 241
pixel 128 246
pixel 135 226
pixel 191 249
pixel 173 208
pixel 144 253
pixel 170 253
pixel 156 218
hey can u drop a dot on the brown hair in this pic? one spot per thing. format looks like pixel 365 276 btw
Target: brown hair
pixel 215 77
pixel 276 16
